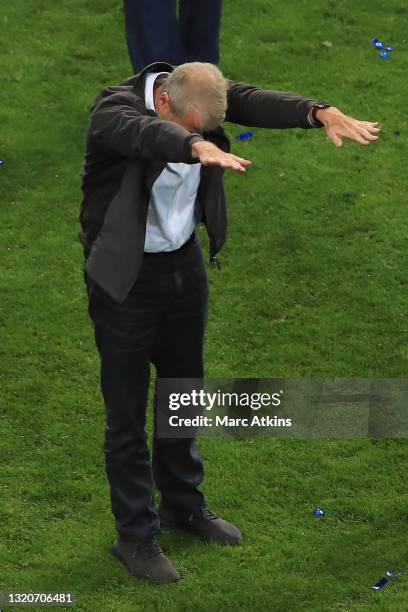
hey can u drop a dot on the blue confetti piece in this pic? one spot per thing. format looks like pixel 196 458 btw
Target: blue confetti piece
pixel 379 585
pixel 348 194
pixel 383 54
pixel 383 581
pixel 1 162
pixel 379 45
pixel 244 136
pixel 391 574
pixel 318 512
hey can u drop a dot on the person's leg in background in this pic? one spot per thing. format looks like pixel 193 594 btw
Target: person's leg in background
pixel 199 27
pixel 152 32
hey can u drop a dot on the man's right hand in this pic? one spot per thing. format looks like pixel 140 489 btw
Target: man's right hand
pixel 210 155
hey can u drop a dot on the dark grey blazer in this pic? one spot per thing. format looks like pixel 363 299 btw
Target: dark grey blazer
pixel 127 148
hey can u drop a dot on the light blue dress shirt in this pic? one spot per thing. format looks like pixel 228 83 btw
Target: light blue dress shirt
pixel 170 216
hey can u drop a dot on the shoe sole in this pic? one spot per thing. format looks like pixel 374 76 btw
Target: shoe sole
pixel 113 550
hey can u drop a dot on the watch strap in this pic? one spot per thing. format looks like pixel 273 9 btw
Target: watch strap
pixel 313 119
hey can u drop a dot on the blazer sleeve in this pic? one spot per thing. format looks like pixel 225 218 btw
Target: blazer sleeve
pixel 255 107
pixel 117 126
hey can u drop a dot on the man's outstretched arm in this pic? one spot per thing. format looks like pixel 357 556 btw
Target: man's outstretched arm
pixel 118 127
pixel 256 107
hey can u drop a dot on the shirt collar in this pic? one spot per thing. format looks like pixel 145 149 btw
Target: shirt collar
pixel 149 97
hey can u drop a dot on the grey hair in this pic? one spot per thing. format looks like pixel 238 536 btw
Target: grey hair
pixel 201 87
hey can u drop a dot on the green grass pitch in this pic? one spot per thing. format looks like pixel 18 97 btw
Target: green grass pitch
pixel 313 284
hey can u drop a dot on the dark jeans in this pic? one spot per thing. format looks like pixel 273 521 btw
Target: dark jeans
pixel 162 321
pixel 155 33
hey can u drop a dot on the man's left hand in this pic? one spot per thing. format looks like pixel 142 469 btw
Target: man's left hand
pixel 339 126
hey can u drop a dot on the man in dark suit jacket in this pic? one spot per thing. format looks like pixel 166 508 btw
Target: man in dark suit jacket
pixel 153 169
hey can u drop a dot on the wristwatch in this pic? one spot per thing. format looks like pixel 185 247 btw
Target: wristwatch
pixel 312 117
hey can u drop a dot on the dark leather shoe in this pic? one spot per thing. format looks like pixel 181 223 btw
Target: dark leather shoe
pixel 204 524
pixel 145 559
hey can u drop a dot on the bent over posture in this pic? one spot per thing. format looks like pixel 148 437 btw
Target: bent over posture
pixel 154 163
